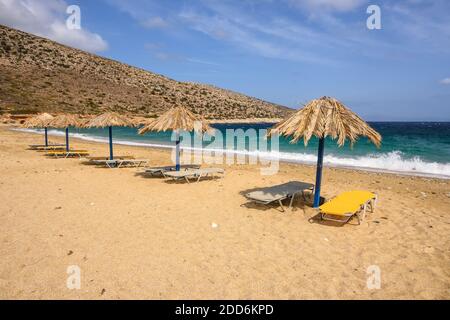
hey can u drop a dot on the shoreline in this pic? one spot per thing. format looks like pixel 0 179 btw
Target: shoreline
pixel 281 160
pixel 247 121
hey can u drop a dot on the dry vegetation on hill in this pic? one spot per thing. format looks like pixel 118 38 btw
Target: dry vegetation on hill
pixel 40 75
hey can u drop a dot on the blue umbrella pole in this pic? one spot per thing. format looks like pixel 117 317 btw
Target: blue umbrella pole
pixel 67 139
pixel 177 167
pixel 111 153
pixel 319 173
pixel 46 136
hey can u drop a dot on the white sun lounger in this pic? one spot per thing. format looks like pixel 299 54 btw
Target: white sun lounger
pixel 193 174
pixel 279 193
pixel 107 158
pixel 120 163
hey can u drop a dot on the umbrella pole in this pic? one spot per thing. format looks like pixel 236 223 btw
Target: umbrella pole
pixel 319 173
pixel 46 137
pixel 67 139
pixel 177 135
pixel 111 155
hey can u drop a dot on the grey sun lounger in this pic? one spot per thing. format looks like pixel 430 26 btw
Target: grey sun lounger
pixel 193 174
pixel 279 193
pixel 120 163
pixel 163 170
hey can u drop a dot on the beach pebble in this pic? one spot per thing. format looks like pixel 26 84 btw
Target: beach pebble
pixel 448 194
pixel 214 225
pixel 423 194
pixel 326 239
pixel 92 203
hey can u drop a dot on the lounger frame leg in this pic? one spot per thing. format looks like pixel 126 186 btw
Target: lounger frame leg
pixel 281 205
pixel 292 201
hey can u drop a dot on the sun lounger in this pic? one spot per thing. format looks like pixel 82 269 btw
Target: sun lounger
pixel 163 170
pixel 120 163
pixel 43 146
pixel 68 154
pixel 348 204
pixel 51 148
pixel 193 174
pixel 107 158
pixel 279 193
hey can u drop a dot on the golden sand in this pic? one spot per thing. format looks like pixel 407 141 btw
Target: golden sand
pixel 145 238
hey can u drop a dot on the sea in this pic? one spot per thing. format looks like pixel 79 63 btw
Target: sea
pixel 414 148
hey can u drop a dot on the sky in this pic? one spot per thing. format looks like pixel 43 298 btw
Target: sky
pixel 283 51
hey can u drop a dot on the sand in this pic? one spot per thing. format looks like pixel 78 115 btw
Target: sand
pixel 144 238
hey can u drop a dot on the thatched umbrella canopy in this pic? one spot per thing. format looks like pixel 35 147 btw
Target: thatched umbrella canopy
pixel 40 121
pixel 64 121
pixel 325 117
pixel 109 120
pixel 177 119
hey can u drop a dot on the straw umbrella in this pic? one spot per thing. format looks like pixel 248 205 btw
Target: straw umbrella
pixel 109 119
pixel 40 121
pixel 325 117
pixel 64 121
pixel 176 119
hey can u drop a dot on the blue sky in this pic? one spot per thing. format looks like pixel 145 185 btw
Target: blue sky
pixel 284 51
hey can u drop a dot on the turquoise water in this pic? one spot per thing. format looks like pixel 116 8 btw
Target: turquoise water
pixel 417 148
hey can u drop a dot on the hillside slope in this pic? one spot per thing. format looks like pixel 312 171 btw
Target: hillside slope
pixel 40 75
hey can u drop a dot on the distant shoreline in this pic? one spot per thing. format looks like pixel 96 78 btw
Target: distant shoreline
pixel 245 121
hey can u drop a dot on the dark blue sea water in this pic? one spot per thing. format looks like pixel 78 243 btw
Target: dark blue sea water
pixel 410 147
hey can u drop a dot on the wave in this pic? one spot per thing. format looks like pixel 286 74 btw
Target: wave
pixel 394 161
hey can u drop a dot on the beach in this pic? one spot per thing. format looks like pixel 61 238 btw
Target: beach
pixel 134 237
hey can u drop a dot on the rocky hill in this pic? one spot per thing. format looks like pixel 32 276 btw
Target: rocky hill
pixel 40 75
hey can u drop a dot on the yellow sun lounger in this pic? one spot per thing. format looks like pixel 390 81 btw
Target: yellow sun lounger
pixel 68 154
pixel 44 147
pixel 343 207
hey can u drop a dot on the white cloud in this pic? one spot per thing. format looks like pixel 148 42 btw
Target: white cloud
pixel 155 23
pixel 200 61
pixel 422 22
pixel 445 81
pixel 335 5
pixel 318 31
pixel 271 40
pixel 47 18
